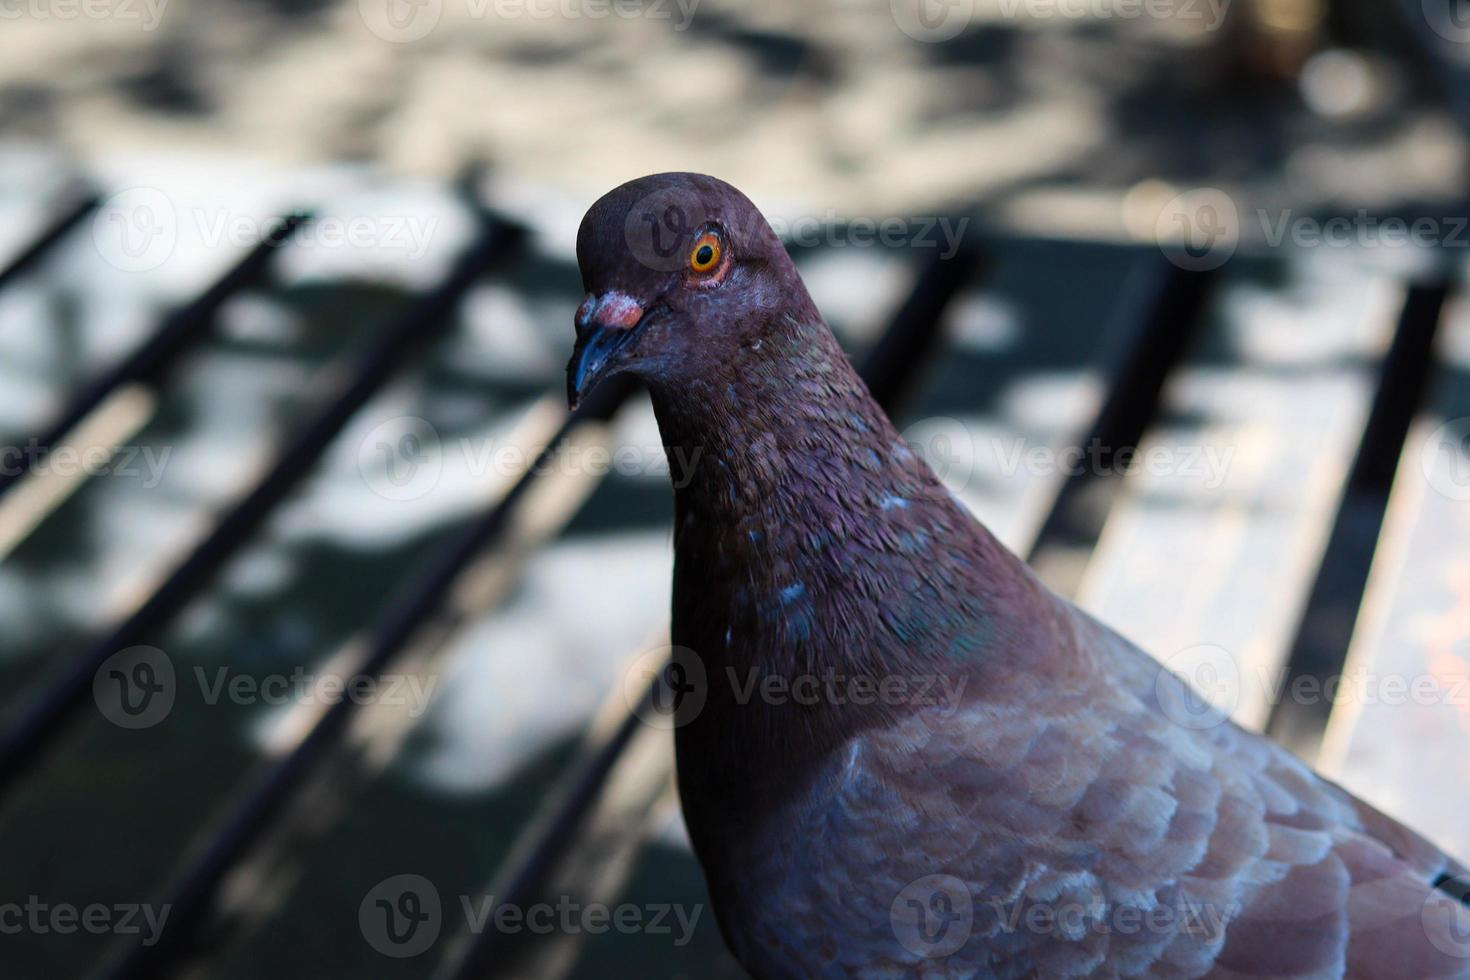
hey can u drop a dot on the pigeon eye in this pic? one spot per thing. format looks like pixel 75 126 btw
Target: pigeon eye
pixel 706 254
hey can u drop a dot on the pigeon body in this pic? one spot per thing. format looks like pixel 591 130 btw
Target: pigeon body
pixel 911 757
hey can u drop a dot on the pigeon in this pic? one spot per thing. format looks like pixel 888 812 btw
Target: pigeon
pixel 898 753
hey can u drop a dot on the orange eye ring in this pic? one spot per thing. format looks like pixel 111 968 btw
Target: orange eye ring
pixel 705 256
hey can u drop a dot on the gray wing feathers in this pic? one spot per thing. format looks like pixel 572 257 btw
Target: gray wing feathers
pixel 1097 838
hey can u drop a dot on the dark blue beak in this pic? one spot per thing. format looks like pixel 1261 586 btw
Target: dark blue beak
pixel 605 326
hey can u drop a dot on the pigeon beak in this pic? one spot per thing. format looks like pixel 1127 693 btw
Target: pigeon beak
pixel 605 325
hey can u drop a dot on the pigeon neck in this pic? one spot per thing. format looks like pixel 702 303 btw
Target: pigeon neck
pixel 785 433
pixel 808 536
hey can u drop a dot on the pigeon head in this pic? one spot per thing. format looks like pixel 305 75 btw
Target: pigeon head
pixel 681 271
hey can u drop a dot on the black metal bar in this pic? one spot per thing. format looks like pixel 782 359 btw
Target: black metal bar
pixel 1455 886
pixel 890 371
pixel 892 366
pixel 69 218
pixel 483 953
pixel 1167 303
pixel 1405 379
pixel 150 361
pixel 1319 649
pixel 191 899
pixel 428 317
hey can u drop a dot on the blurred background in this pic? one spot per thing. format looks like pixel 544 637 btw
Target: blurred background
pixel 318 662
